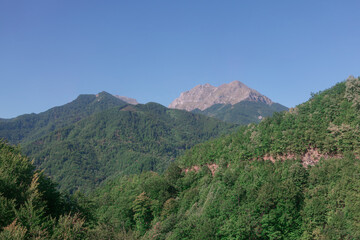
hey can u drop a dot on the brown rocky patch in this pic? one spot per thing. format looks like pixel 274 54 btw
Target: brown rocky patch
pixel 212 167
pixel 310 157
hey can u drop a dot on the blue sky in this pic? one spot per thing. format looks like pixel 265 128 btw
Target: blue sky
pixel 53 50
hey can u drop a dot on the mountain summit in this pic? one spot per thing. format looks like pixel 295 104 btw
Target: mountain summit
pixel 204 96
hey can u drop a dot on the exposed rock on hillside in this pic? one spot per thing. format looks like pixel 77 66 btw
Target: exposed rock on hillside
pixel 127 99
pixel 204 96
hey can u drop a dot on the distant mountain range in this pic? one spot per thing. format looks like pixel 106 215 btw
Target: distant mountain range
pixel 233 102
pixel 294 175
pixel 98 136
pixel 94 137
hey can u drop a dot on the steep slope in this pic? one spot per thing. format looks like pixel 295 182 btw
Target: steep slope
pixel 243 113
pixel 252 200
pixel 28 127
pixel 118 141
pixel 240 187
pixel 204 96
pixel 233 102
pixel 30 205
pixel 326 125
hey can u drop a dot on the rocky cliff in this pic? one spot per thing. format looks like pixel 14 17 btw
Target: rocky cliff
pixel 204 96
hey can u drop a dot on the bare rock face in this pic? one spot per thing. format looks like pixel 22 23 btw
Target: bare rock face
pixel 127 99
pixel 204 96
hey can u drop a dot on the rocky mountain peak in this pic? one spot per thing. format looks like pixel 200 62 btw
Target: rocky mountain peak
pixel 204 96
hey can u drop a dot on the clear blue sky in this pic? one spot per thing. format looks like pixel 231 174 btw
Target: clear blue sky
pixel 53 50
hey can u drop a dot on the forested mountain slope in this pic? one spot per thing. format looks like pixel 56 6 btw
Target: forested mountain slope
pixel 243 113
pixel 328 123
pixel 32 208
pixel 120 140
pixel 30 205
pixel 28 127
pixel 247 200
pixel 224 189
pixel 293 176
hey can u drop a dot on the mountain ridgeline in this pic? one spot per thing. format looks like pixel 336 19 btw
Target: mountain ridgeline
pixel 28 127
pixel 294 175
pixel 233 102
pixel 99 136
pixel 327 125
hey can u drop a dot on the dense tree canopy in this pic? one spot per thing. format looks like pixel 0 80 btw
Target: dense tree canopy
pixel 28 127
pixel 251 198
pixel 30 205
pixel 221 189
pixel 120 140
pixel 328 122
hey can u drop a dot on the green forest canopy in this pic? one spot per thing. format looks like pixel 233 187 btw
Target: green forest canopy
pixel 245 198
